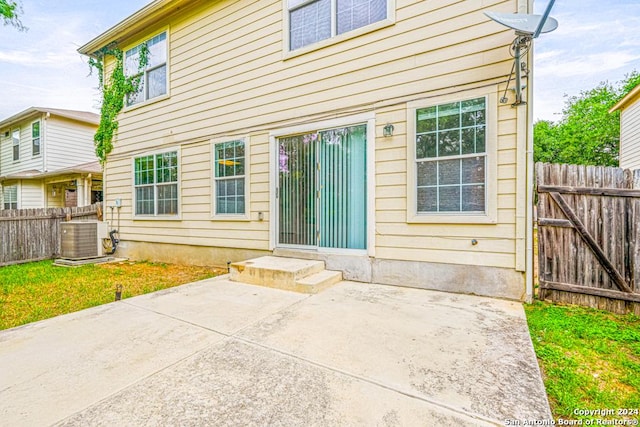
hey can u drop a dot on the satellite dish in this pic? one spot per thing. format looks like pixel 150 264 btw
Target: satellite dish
pixel 528 27
pixel 524 24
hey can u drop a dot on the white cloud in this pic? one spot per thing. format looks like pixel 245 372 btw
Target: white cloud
pixel 41 67
pixel 595 64
pixel 548 55
pixel 59 59
pixel 596 41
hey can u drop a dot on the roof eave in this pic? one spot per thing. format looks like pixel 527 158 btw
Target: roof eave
pixel 131 25
pixel 23 115
pixel 36 111
pixel 83 169
pixel 625 100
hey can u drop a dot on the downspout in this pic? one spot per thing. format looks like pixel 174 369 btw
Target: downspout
pixel 43 142
pixel 524 177
pixel 529 169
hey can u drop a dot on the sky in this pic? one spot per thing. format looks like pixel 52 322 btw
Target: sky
pixel 596 41
pixel 41 67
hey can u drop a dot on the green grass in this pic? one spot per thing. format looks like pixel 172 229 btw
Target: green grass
pixel 40 290
pixel 590 358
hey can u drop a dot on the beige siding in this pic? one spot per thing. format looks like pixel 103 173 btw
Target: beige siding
pixel 630 136
pixel 445 243
pixel 27 161
pixel 196 226
pixel 217 76
pixel 68 143
pixel 31 194
pixel 229 77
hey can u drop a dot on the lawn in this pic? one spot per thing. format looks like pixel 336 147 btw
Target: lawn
pixel 40 290
pixel 590 360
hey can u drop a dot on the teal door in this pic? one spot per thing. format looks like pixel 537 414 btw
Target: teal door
pixel 322 189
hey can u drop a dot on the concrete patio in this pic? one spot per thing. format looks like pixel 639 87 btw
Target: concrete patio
pixel 217 352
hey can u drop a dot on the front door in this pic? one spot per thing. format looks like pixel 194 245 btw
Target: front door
pixel 322 189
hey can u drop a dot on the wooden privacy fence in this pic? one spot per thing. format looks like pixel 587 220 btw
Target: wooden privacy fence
pixel 34 234
pixel 588 230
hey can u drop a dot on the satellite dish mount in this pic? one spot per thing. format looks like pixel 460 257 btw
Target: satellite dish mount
pixel 527 28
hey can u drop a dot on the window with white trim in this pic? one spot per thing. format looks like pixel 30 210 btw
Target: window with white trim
pixel 35 139
pixel 153 78
pixel 451 157
pixel 156 184
pixel 10 196
pixel 15 136
pixel 230 178
pixel 311 21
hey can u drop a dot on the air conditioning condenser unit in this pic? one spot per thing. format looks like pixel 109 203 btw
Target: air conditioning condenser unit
pixel 82 239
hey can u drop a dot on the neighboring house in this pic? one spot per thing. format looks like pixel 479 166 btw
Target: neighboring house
pixel 47 159
pixel 629 108
pixel 369 134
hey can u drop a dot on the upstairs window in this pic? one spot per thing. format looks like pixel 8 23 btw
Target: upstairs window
pixel 153 78
pixel 15 136
pixel 311 21
pixel 35 139
pixel 156 184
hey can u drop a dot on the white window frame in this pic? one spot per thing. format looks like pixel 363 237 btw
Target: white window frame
pixel 4 196
pixel 490 216
pixel 335 38
pixel 274 162
pixel 14 145
pixel 246 216
pixel 155 215
pixel 39 138
pixel 166 95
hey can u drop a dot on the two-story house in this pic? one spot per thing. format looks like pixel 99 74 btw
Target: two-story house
pixel 47 159
pixel 377 135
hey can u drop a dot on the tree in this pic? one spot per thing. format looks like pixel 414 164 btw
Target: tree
pixel 9 10
pixel 587 134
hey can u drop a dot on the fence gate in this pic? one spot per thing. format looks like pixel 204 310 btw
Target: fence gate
pixel 588 229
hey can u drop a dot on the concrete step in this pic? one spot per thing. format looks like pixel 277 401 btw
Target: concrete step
pixel 318 282
pixel 293 274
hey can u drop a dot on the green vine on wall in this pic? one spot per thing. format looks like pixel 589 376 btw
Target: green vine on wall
pixel 115 89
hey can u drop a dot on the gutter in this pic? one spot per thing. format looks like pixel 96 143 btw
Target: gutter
pixel 92 47
pixel 628 97
pixel 21 116
pixel 38 111
pixel 42 175
pixel 135 23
